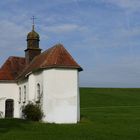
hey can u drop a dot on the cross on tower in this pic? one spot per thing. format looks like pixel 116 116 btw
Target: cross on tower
pixel 33 19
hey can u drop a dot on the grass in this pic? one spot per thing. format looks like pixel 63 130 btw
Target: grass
pixel 106 114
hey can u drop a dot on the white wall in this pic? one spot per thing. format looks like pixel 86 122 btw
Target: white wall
pixel 9 91
pixel 22 84
pixel 34 79
pixel 61 93
pixel 78 98
pixel 31 89
pixel 31 92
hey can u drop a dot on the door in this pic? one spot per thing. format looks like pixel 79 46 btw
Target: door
pixel 9 108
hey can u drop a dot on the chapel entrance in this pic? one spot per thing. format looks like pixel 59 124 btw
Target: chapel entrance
pixel 9 108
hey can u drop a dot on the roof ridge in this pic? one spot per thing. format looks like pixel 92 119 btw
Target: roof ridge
pixel 70 56
pixel 61 52
pixel 56 59
pixel 52 49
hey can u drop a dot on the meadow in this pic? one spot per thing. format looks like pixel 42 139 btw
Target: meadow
pixel 106 114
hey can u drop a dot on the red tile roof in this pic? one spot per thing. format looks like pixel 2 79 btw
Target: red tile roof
pixel 11 68
pixel 55 57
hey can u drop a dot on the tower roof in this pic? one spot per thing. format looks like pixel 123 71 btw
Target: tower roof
pixel 33 35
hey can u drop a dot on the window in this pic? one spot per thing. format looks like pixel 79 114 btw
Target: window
pixel 19 94
pixel 24 94
pixel 38 92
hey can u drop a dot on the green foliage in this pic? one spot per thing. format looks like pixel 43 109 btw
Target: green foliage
pixel 32 112
pixel 106 114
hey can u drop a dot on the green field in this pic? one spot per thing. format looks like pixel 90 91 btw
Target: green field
pixel 106 114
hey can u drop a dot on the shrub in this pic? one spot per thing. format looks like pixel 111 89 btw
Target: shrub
pixel 32 112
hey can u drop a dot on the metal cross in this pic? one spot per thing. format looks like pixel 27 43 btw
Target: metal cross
pixel 33 19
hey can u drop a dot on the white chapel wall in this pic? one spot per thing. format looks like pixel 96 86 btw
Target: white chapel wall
pixel 31 89
pixel 30 83
pixel 61 93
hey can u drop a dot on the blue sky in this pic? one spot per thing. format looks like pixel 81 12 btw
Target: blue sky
pixel 102 35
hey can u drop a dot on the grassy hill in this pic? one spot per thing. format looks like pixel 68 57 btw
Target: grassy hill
pixel 106 114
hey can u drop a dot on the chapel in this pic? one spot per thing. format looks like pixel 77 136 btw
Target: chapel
pixel 51 77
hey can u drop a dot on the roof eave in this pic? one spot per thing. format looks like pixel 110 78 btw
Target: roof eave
pixel 64 67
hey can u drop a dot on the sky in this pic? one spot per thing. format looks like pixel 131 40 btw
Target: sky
pixel 103 36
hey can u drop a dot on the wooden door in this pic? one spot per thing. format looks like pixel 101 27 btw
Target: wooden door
pixel 9 108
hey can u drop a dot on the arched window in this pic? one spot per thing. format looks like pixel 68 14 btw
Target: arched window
pixel 24 94
pixel 38 92
pixel 19 94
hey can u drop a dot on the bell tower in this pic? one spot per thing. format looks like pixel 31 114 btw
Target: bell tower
pixel 32 45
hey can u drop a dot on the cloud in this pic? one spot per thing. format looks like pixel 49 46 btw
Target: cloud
pixel 12 38
pixel 125 4
pixel 63 28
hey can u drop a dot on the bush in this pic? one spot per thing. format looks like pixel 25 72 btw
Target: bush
pixel 32 112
